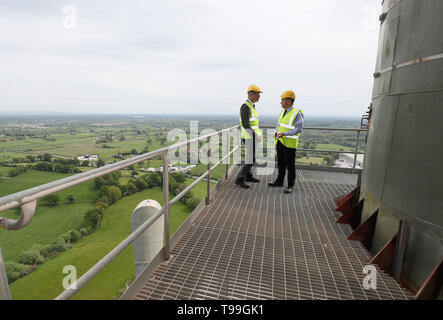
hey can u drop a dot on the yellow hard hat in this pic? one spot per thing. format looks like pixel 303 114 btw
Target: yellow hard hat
pixel 288 94
pixel 254 88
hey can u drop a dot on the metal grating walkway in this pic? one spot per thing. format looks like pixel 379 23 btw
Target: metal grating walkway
pixel 263 244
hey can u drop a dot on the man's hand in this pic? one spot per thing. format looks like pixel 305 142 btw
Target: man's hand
pixel 281 134
pixel 258 139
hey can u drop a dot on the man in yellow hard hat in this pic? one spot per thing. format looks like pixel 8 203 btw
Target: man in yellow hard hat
pixel 287 135
pixel 250 132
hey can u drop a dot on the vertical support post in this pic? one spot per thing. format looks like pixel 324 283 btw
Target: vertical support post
pixel 401 245
pixel 356 150
pixel 208 177
pixel 4 286
pixel 228 149
pixel 166 204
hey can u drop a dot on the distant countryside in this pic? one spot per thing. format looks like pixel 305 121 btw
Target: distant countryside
pixel 81 224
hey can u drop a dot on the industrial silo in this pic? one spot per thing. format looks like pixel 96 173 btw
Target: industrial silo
pixel 403 165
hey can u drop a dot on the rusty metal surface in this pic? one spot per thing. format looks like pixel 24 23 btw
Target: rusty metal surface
pixel 263 244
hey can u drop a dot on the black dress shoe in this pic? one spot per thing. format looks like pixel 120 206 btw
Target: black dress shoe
pixel 288 190
pixel 242 184
pixel 275 184
pixel 251 179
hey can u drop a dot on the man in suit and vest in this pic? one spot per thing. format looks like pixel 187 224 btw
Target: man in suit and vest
pixel 250 132
pixel 289 127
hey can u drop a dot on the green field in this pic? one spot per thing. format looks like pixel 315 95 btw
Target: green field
pixel 49 222
pixel 85 253
pixel 313 160
pixel 335 147
pixel 71 138
pixel 4 171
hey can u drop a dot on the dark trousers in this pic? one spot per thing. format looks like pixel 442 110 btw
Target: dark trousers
pixel 246 169
pixel 285 160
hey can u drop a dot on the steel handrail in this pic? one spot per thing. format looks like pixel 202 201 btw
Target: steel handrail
pixel 27 199
pixel 355 152
pixel 29 196
pixel 99 266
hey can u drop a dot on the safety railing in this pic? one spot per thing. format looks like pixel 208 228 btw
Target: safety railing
pixel 27 199
pixel 355 152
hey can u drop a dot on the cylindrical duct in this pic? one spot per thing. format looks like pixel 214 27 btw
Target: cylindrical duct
pixel 403 171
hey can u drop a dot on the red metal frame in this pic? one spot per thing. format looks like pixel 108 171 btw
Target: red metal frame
pixel 346 202
pixel 353 215
pixel 431 287
pixel 365 232
pixel 385 257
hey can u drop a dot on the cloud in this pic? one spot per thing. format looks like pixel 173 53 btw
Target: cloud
pixel 187 56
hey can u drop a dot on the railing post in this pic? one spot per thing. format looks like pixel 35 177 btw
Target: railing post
pixel 166 204
pixel 228 149
pixel 356 150
pixel 208 178
pixel 4 287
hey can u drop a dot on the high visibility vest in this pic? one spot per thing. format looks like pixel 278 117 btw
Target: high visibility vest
pixel 253 122
pixel 286 124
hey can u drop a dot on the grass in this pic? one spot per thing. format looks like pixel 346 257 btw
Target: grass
pixel 46 281
pixel 335 147
pixel 73 145
pixel 28 180
pixel 4 171
pixel 48 224
pixel 313 160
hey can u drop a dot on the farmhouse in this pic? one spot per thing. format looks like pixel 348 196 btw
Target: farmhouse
pixel 88 157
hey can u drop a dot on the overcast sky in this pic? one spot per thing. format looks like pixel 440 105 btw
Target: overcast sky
pixel 189 56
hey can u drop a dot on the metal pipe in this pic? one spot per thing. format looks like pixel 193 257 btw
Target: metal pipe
pixel 4 286
pixel 99 266
pixel 196 181
pixel 33 194
pixel 28 211
pixel 228 147
pixel 92 272
pixel 322 128
pixel 356 150
pixel 208 180
pixel 331 151
pixel 166 204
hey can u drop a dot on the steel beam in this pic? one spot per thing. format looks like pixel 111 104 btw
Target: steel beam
pixel 365 232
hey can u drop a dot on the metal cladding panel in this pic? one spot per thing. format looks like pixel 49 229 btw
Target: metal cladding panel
pixel 401 162
pixel 413 182
pixel 386 228
pixel 418 78
pixel 402 174
pixel 389 42
pixel 379 144
pixel 418 262
pixel 420 31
